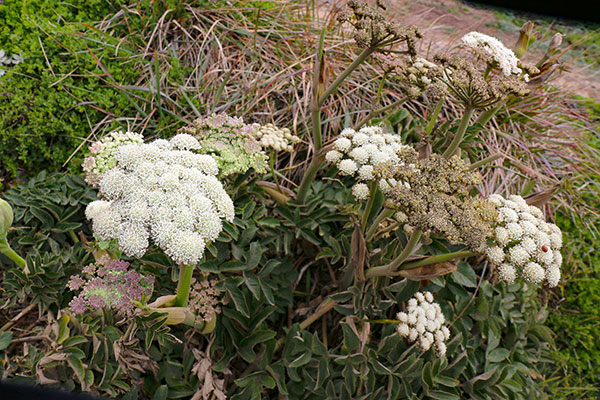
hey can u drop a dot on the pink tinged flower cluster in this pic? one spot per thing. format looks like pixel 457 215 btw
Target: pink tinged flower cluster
pixel 109 284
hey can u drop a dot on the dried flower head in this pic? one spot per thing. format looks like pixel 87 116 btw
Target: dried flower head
pixel 109 284
pixel 424 323
pixel 278 139
pixel 524 244
pixel 372 29
pixel 434 195
pixel 204 299
pixel 165 192
pixel 232 143
pixel 102 154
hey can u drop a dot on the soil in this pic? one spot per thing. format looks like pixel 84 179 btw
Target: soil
pixel 444 22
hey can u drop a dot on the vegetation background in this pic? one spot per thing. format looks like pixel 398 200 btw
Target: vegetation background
pixel 89 67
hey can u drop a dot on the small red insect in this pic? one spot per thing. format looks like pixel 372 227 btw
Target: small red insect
pixel 545 249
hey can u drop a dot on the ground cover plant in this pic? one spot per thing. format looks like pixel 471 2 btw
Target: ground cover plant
pixel 303 244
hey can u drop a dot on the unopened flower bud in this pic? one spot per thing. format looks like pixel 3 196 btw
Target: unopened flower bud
pixel 524 39
pixel 6 218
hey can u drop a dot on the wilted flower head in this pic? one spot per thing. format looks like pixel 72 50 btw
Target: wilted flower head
pixel 204 299
pixel 424 323
pixel 102 153
pixel 372 29
pixel 165 192
pixel 434 195
pixel 109 284
pixel 278 139
pixel 524 244
pixel 357 154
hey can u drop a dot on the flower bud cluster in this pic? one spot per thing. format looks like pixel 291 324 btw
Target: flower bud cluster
pixel 231 142
pixel 162 191
pixel 102 154
pixel 359 153
pixel 109 284
pixel 524 244
pixel 278 139
pixel 6 218
pixel 204 299
pixel 424 323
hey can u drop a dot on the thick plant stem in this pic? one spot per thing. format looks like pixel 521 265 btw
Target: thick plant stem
pixel 10 253
pixel 369 206
pixel 437 259
pixel 184 285
pixel 335 85
pixel 323 309
pixel 309 177
pixel 487 115
pixel 460 133
pixel 390 268
pixel 385 213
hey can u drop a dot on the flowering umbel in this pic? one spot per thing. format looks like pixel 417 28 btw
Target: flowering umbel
pixel 524 244
pixel 162 191
pixel 109 284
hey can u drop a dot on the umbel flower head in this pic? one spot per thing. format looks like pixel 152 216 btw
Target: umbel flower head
pixel 162 191
pixel 358 153
pixel 433 193
pixel 523 244
pixel 232 143
pixel 204 299
pixel 102 153
pixel 424 323
pixel 109 284
pixel 494 51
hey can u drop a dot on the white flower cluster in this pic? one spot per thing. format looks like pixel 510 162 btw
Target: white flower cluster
pixel 357 153
pixel 424 323
pixel 279 139
pixel 505 57
pixel 163 191
pixel 524 243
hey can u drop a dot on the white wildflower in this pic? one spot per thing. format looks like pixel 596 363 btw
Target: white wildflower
pixel 347 167
pixel 360 191
pixel 505 57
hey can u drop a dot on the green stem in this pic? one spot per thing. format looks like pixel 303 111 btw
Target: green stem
pixel 309 177
pixel 323 309
pixel 487 115
pixel 272 165
pixel 184 285
pixel 73 237
pixel 460 133
pixel 438 259
pixel 383 321
pixel 10 253
pixel 334 86
pixel 374 113
pixel 486 160
pixel 388 269
pixel 385 213
pixel 369 206
pixel 315 106
pixel 434 116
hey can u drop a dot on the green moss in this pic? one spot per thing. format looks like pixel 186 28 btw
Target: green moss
pixel 58 93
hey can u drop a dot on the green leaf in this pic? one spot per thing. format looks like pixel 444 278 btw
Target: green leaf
pixel 161 393
pixel 351 340
pixel 77 366
pixel 464 275
pixel 253 284
pixel 437 395
pixel 5 339
pixel 301 360
pixel 498 355
pixel 238 299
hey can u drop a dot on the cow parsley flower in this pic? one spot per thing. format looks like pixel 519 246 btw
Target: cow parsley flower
pixel 424 323
pixel 179 204
pixel 503 56
pixel 530 246
pixel 360 152
pixel 278 139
